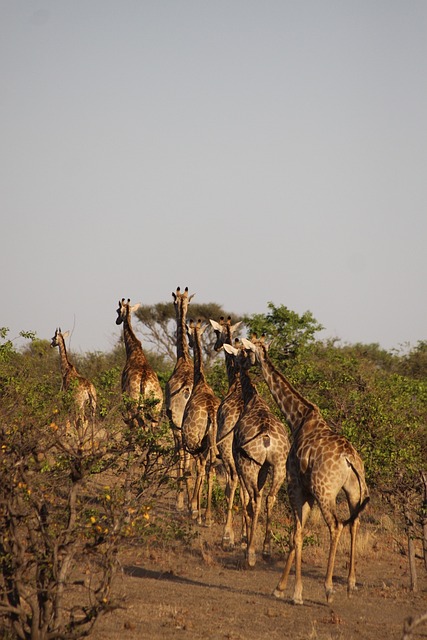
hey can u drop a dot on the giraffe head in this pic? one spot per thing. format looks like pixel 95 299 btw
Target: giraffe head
pixel 258 347
pixel 124 310
pixel 195 329
pixel 244 357
pixel 224 331
pixel 181 301
pixel 57 336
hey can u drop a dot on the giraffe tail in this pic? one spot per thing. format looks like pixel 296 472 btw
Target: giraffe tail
pixel 356 512
pixel 364 495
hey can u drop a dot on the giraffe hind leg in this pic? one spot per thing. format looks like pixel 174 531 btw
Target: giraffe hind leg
pixel 228 534
pixel 351 581
pixel 335 529
pixel 354 523
pixel 301 506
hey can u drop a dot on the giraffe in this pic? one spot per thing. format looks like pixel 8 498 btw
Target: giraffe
pixel 178 390
pixel 84 392
pixel 260 446
pixel 320 464
pixel 199 425
pixel 140 385
pixel 228 413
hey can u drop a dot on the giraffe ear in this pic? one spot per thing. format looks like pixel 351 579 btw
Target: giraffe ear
pixel 65 334
pixel 231 350
pixel 135 307
pixel 236 326
pixel 248 344
pixel 215 325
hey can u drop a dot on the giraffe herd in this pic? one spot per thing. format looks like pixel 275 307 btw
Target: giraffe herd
pixel 241 433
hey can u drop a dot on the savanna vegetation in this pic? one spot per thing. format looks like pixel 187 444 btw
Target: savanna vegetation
pixel 66 509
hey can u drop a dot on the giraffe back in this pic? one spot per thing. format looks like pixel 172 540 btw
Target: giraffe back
pixel 200 416
pixel 324 462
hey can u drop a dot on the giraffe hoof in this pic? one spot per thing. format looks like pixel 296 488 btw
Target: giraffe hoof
pixel 266 555
pixel 329 595
pixel 277 593
pixel 251 560
pixel 227 544
pixel 297 600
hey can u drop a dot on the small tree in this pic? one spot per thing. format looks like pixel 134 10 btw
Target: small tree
pixel 64 507
pixel 288 331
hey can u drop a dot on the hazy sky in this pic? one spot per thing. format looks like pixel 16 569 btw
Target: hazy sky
pixel 253 151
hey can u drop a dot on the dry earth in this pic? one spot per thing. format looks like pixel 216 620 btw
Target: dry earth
pixel 200 591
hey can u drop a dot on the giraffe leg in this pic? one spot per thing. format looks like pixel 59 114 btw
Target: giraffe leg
pixel 188 474
pixel 279 591
pixel 266 550
pixel 276 483
pixel 228 534
pixel 297 597
pixel 335 529
pixel 352 491
pixel 246 524
pixel 210 477
pixel 351 583
pixel 248 474
pixel 254 509
pixel 197 491
pixel 179 451
pixel 301 508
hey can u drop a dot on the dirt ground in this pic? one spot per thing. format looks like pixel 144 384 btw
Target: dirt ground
pixel 201 591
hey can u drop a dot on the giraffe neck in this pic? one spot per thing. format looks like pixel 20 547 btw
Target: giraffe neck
pixel 230 361
pixel 248 388
pixel 131 341
pixel 66 366
pixel 182 350
pixel 231 368
pixel 199 373
pixel 293 405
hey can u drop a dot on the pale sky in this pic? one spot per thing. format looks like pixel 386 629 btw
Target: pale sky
pixel 253 151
